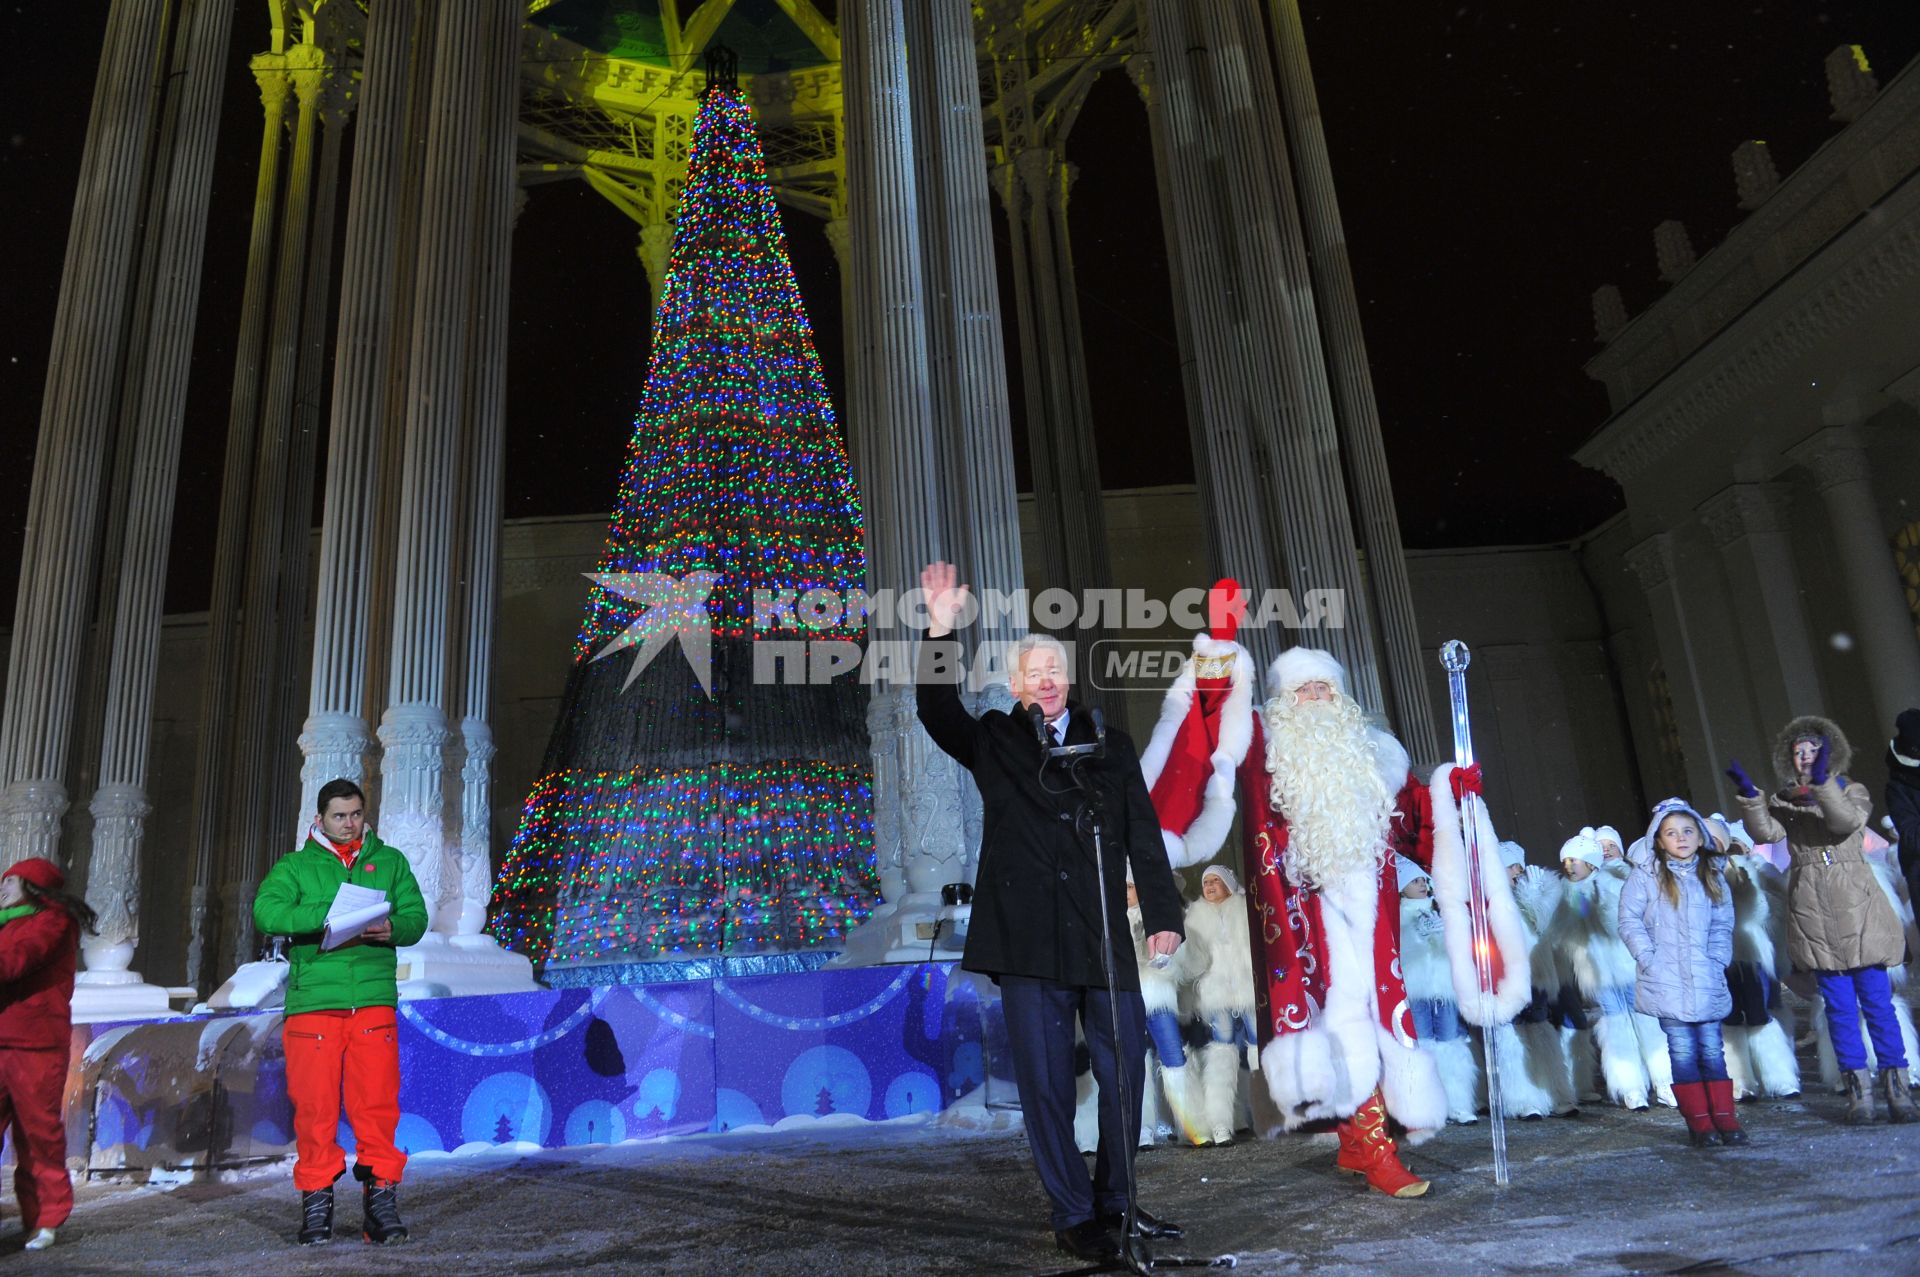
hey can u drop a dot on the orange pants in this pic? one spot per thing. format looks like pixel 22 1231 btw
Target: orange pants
pixel 351 1054
pixel 33 1087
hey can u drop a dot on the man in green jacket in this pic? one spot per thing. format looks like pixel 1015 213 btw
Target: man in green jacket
pixel 340 1033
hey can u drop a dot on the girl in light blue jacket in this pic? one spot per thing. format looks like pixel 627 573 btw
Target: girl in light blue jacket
pixel 1676 919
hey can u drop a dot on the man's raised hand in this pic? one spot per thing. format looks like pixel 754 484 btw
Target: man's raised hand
pixel 945 597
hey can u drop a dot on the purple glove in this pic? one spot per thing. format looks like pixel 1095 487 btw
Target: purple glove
pixel 1742 783
pixel 1817 774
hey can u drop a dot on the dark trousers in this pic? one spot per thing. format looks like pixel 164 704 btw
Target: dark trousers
pixel 1040 1019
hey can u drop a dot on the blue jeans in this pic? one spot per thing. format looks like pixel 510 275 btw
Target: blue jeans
pixel 1695 1050
pixel 1848 994
pixel 1169 1046
pixel 1436 1020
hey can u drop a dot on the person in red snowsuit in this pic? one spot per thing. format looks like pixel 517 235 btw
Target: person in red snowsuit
pixel 39 937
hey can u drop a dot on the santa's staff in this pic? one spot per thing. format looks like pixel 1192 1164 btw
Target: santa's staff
pixel 1455 656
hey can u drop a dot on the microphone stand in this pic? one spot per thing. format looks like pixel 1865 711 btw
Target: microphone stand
pixel 1135 1255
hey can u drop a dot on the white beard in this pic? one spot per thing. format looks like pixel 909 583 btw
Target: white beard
pixel 1327 783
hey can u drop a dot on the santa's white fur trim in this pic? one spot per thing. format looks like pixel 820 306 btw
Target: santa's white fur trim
pixel 1298 665
pixel 1202 840
pixel 1329 1068
pixel 1410 1083
pixel 1452 892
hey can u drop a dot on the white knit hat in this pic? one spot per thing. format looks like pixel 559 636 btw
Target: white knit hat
pixel 1512 853
pixel 1607 833
pixel 1407 870
pixel 1584 845
pixel 1300 665
pixel 1224 874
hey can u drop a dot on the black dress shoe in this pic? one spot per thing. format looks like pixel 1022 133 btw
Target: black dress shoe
pixel 1145 1225
pixel 1089 1239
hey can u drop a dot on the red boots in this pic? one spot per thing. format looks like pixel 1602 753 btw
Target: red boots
pixel 1720 1108
pixel 1366 1149
pixel 1708 1108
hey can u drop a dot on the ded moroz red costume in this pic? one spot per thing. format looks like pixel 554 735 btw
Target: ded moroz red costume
pixel 1325 798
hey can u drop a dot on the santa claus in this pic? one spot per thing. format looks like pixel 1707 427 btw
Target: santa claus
pixel 1326 799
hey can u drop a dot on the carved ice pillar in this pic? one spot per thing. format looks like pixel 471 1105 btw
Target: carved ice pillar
pixel 253 838
pixel 414 731
pixel 1883 628
pixel 1368 481
pixel 76 417
pixel 1747 526
pixel 1651 562
pixel 918 832
pixel 107 989
pixel 214 747
pixel 335 740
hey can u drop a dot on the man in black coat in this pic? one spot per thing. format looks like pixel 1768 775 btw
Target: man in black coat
pixel 1036 921
pixel 1903 794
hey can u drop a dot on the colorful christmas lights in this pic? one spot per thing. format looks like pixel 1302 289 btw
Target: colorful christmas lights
pixel 669 822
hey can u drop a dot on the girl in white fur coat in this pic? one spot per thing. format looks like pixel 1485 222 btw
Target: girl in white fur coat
pixel 1585 934
pixel 1536 1076
pixel 1163 1109
pixel 1759 1033
pixel 1429 981
pixel 1222 969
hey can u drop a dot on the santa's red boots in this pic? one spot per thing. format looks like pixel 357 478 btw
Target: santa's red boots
pixel 1691 1099
pixel 1366 1149
pixel 1720 1109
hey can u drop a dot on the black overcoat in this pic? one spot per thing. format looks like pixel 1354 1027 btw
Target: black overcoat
pixel 1034 908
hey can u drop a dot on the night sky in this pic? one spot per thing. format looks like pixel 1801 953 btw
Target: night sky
pixel 1495 163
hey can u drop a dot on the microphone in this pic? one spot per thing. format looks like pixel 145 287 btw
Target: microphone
pixel 1039 720
pixel 1099 732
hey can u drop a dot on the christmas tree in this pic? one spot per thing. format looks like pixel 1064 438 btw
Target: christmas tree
pixel 683 807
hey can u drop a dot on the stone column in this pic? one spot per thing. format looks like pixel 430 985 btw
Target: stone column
pixel 1053 545
pixel 1882 626
pixel 968 354
pixel 918 823
pixel 76 417
pixel 1651 562
pixel 415 731
pixel 1746 522
pixel 1140 71
pixel 1257 341
pixel 253 838
pixel 286 808
pixel 1358 415
pixel 213 749
pixel 469 961
pixel 107 989
pixel 335 739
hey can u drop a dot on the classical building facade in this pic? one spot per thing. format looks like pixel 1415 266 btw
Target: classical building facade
pixel 369 651
pixel 1766 432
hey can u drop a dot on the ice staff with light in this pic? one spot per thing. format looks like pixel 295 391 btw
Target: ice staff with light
pixel 1454 656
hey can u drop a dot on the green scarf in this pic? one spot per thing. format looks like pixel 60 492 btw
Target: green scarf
pixel 18 911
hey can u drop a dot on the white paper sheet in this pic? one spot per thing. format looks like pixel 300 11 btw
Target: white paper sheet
pixel 354 909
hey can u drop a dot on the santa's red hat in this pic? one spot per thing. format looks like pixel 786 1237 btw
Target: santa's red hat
pixel 39 871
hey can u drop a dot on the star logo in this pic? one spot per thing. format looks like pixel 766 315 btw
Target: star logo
pixel 669 609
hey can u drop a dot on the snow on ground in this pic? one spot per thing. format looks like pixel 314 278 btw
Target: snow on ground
pixel 1610 1192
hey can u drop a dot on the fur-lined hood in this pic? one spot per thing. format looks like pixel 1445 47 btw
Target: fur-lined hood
pixel 1840 756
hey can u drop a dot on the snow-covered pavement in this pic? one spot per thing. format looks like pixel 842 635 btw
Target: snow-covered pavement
pixel 1608 1192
